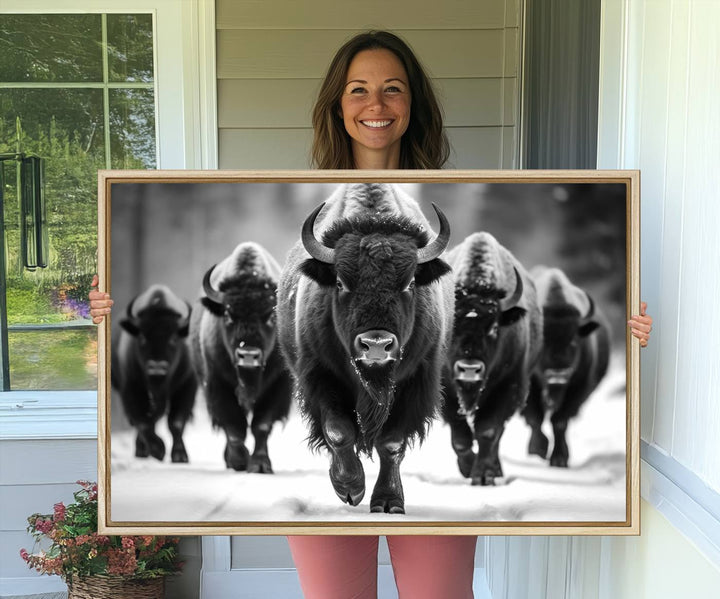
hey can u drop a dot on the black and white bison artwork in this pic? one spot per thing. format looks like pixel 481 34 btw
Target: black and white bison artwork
pixel 575 356
pixel 365 318
pixel 151 369
pixel 496 342
pixel 233 341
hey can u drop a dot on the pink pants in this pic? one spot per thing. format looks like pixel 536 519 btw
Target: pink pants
pixel 345 567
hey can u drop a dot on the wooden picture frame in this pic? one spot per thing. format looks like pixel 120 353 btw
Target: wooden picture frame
pixel 170 227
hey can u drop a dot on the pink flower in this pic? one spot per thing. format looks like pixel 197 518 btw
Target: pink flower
pixel 24 554
pixel 59 509
pixel 128 543
pixel 43 526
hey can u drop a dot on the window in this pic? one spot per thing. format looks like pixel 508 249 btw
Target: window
pixel 78 91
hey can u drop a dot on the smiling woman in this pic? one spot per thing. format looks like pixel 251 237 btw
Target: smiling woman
pixel 363 118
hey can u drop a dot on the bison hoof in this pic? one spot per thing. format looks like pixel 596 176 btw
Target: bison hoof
pixel 237 457
pixel 387 505
pixel 465 461
pixel 350 492
pixel 179 456
pixel 260 465
pixel 157 448
pixel 486 479
pixel 538 445
pixel 559 461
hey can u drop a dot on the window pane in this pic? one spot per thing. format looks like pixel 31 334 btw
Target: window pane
pixel 53 359
pixel 132 128
pixel 130 47
pixel 50 48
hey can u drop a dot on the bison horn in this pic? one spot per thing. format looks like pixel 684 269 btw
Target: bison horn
pixel 186 320
pixel 591 309
pixel 128 311
pixel 438 245
pixel 507 303
pixel 207 287
pixel 316 249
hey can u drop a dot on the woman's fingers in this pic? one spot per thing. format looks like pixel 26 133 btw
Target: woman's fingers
pixel 641 325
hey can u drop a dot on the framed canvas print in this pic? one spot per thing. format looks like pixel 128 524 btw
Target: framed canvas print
pixel 385 352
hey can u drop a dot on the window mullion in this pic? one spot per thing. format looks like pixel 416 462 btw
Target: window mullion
pixel 106 90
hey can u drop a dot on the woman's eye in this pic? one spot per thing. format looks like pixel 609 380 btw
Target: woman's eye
pixel 357 90
pixel 393 89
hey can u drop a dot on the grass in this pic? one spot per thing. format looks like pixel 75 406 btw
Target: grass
pixel 57 360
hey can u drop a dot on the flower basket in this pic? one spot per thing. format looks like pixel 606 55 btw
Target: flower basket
pixel 96 566
pixel 116 587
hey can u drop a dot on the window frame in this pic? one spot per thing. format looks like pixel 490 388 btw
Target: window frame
pixel 184 32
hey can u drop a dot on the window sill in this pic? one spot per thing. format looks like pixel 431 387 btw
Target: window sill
pixel 48 415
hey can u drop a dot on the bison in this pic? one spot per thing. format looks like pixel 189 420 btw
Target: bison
pixel 496 341
pixel 574 359
pixel 151 369
pixel 365 316
pixel 235 355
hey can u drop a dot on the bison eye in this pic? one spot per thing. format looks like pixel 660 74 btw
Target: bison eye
pixel 340 285
pixel 410 286
pixel 493 332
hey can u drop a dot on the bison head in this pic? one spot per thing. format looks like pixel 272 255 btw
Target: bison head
pixel 246 304
pixel 160 332
pixel 377 269
pixel 481 313
pixel 564 330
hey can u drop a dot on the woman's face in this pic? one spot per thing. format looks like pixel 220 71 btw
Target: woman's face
pixel 375 103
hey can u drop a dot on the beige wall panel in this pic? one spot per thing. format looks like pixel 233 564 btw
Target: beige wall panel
pixel 471 102
pixel 276 103
pixel 511 108
pixel 513 13
pixel 510 148
pixel 266 102
pixel 512 52
pixel 474 147
pixel 370 14
pixel 265 148
pixel 305 54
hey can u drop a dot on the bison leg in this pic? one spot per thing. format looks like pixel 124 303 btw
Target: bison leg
pixel 271 406
pixel 388 494
pixel 560 453
pixel 180 411
pixel 487 463
pixel 149 443
pixel 346 471
pixel 236 454
pixel 534 414
pixel 461 435
pixel 260 460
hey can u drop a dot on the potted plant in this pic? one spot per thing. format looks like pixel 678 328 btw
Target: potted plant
pixel 122 567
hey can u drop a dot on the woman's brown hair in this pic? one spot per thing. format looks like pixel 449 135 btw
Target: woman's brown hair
pixel 424 145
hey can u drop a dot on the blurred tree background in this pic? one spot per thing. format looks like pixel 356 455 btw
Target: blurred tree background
pixel 81 104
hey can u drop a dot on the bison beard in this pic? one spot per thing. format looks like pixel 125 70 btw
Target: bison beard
pixel 373 402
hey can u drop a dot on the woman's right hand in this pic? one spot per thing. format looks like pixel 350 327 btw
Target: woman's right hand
pixel 100 302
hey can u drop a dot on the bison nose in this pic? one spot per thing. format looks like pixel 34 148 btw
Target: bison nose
pixel 472 371
pixel 376 346
pixel 557 376
pixel 249 357
pixel 157 367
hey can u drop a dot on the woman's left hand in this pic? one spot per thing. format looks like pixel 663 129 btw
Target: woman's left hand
pixel 641 325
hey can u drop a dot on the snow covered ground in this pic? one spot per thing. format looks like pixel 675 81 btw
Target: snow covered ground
pixel 591 489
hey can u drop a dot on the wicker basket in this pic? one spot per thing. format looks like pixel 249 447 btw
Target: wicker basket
pixel 116 587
